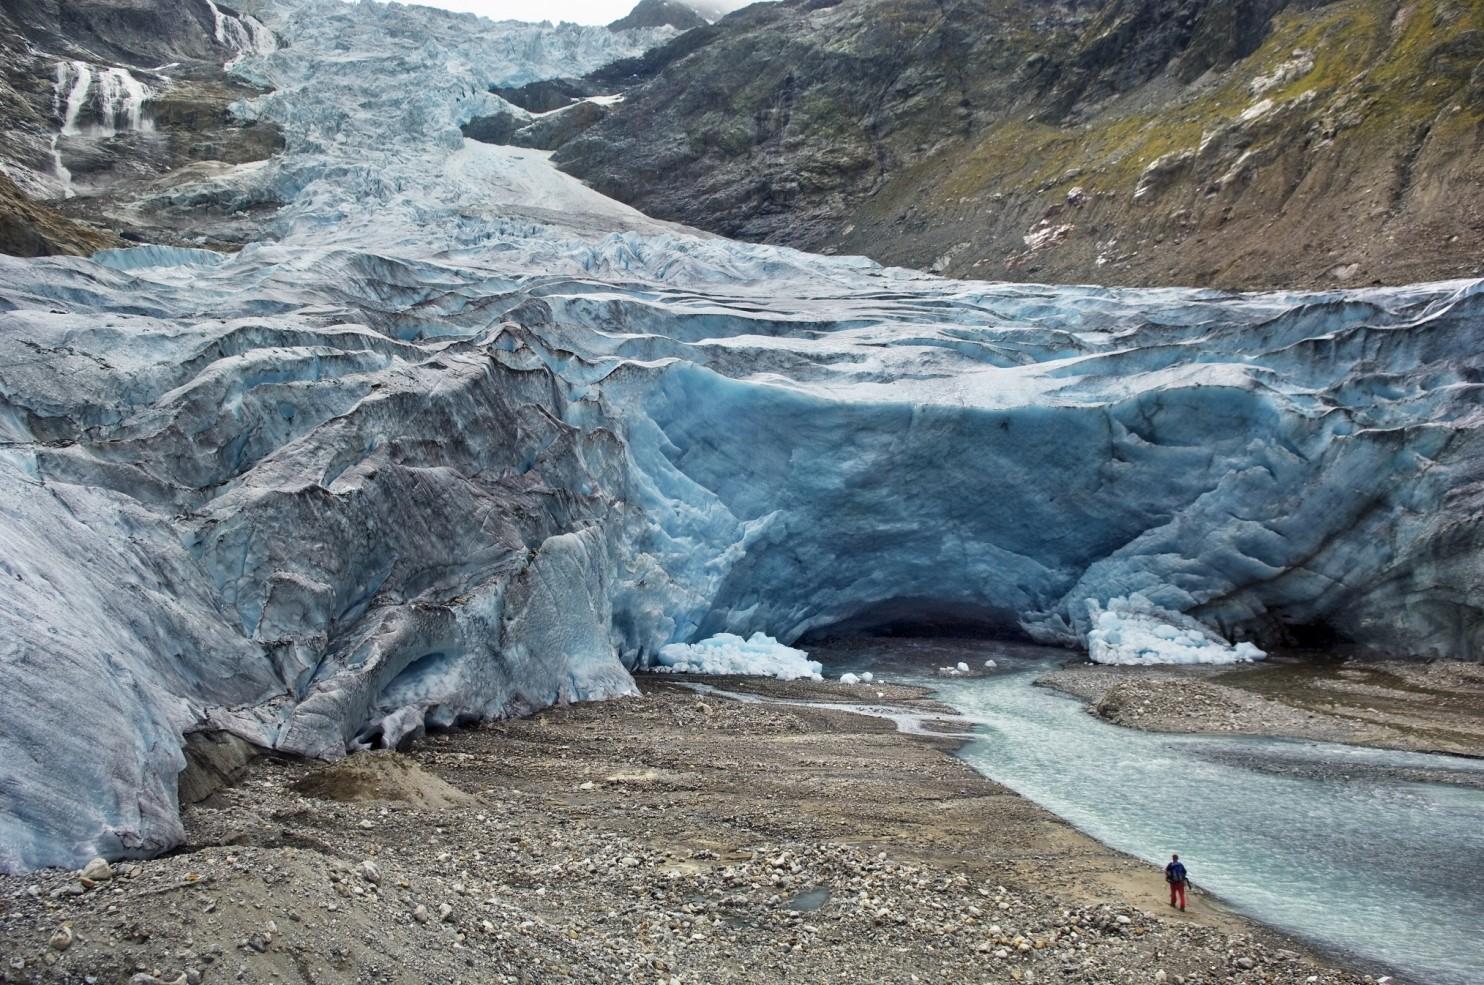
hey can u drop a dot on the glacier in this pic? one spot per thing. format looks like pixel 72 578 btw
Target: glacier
pixel 458 437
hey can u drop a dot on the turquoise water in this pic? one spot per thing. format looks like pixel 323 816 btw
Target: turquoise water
pixel 1354 857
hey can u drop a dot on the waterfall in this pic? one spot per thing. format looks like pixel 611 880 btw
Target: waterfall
pixel 118 99
pixel 245 35
pixel 120 102
pixel 64 177
pixel 263 41
pixel 73 79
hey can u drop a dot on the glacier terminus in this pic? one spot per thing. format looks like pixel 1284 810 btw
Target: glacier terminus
pixel 457 438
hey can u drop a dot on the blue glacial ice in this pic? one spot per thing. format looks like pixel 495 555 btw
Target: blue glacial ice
pixel 459 438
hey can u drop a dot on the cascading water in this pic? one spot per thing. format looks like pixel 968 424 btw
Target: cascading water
pixel 63 175
pixel 74 79
pixel 120 102
pixel 66 104
pixel 118 99
pixel 245 35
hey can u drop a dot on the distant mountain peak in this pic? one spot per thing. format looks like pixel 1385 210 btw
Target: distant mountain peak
pixel 661 13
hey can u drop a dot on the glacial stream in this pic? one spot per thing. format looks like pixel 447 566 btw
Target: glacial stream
pixel 1345 847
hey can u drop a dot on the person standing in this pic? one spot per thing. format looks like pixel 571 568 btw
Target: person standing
pixel 1175 875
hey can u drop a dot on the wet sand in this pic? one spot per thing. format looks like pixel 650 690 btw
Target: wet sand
pixel 669 838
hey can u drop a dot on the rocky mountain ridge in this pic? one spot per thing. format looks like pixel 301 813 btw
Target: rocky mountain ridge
pixel 1259 143
pixel 660 13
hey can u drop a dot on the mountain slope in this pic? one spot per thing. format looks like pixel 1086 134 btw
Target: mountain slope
pixel 1258 143
pixel 659 13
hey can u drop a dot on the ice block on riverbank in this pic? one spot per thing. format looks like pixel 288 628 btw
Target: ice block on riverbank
pixel 759 655
pixel 1134 630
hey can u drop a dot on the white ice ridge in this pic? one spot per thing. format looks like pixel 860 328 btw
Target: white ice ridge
pixel 459 438
pixel 1134 631
pixel 760 655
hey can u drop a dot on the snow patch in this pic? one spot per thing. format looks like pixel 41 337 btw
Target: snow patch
pixel 1257 109
pixel 1301 64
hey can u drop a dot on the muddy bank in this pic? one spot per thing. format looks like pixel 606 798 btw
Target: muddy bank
pixel 667 838
pixel 1432 707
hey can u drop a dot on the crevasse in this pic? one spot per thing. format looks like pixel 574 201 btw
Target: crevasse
pixel 459 438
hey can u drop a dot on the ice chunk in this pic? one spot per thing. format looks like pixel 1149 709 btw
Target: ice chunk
pixel 868 677
pixel 849 679
pixel 759 655
pixel 1134 630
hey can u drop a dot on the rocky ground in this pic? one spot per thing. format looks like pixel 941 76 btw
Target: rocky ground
pixel 1422 706
pixel 669 838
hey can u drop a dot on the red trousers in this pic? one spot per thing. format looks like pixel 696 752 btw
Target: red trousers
pixel 1177 889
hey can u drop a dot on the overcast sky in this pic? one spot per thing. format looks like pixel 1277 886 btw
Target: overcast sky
pixel 580 11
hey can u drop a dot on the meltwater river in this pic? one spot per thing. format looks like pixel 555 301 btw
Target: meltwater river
pixel 1339 845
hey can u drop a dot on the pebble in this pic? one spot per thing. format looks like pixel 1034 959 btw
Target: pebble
pixel 420 914
pixel 370 872
pixel 62 939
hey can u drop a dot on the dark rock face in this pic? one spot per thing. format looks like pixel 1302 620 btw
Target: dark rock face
pixel 214 760
pixel 659 13
pixel 547 95
pixel 134 32
pixel 546 132
pixel 1253 143
pixel 30 229
pixel 499 128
